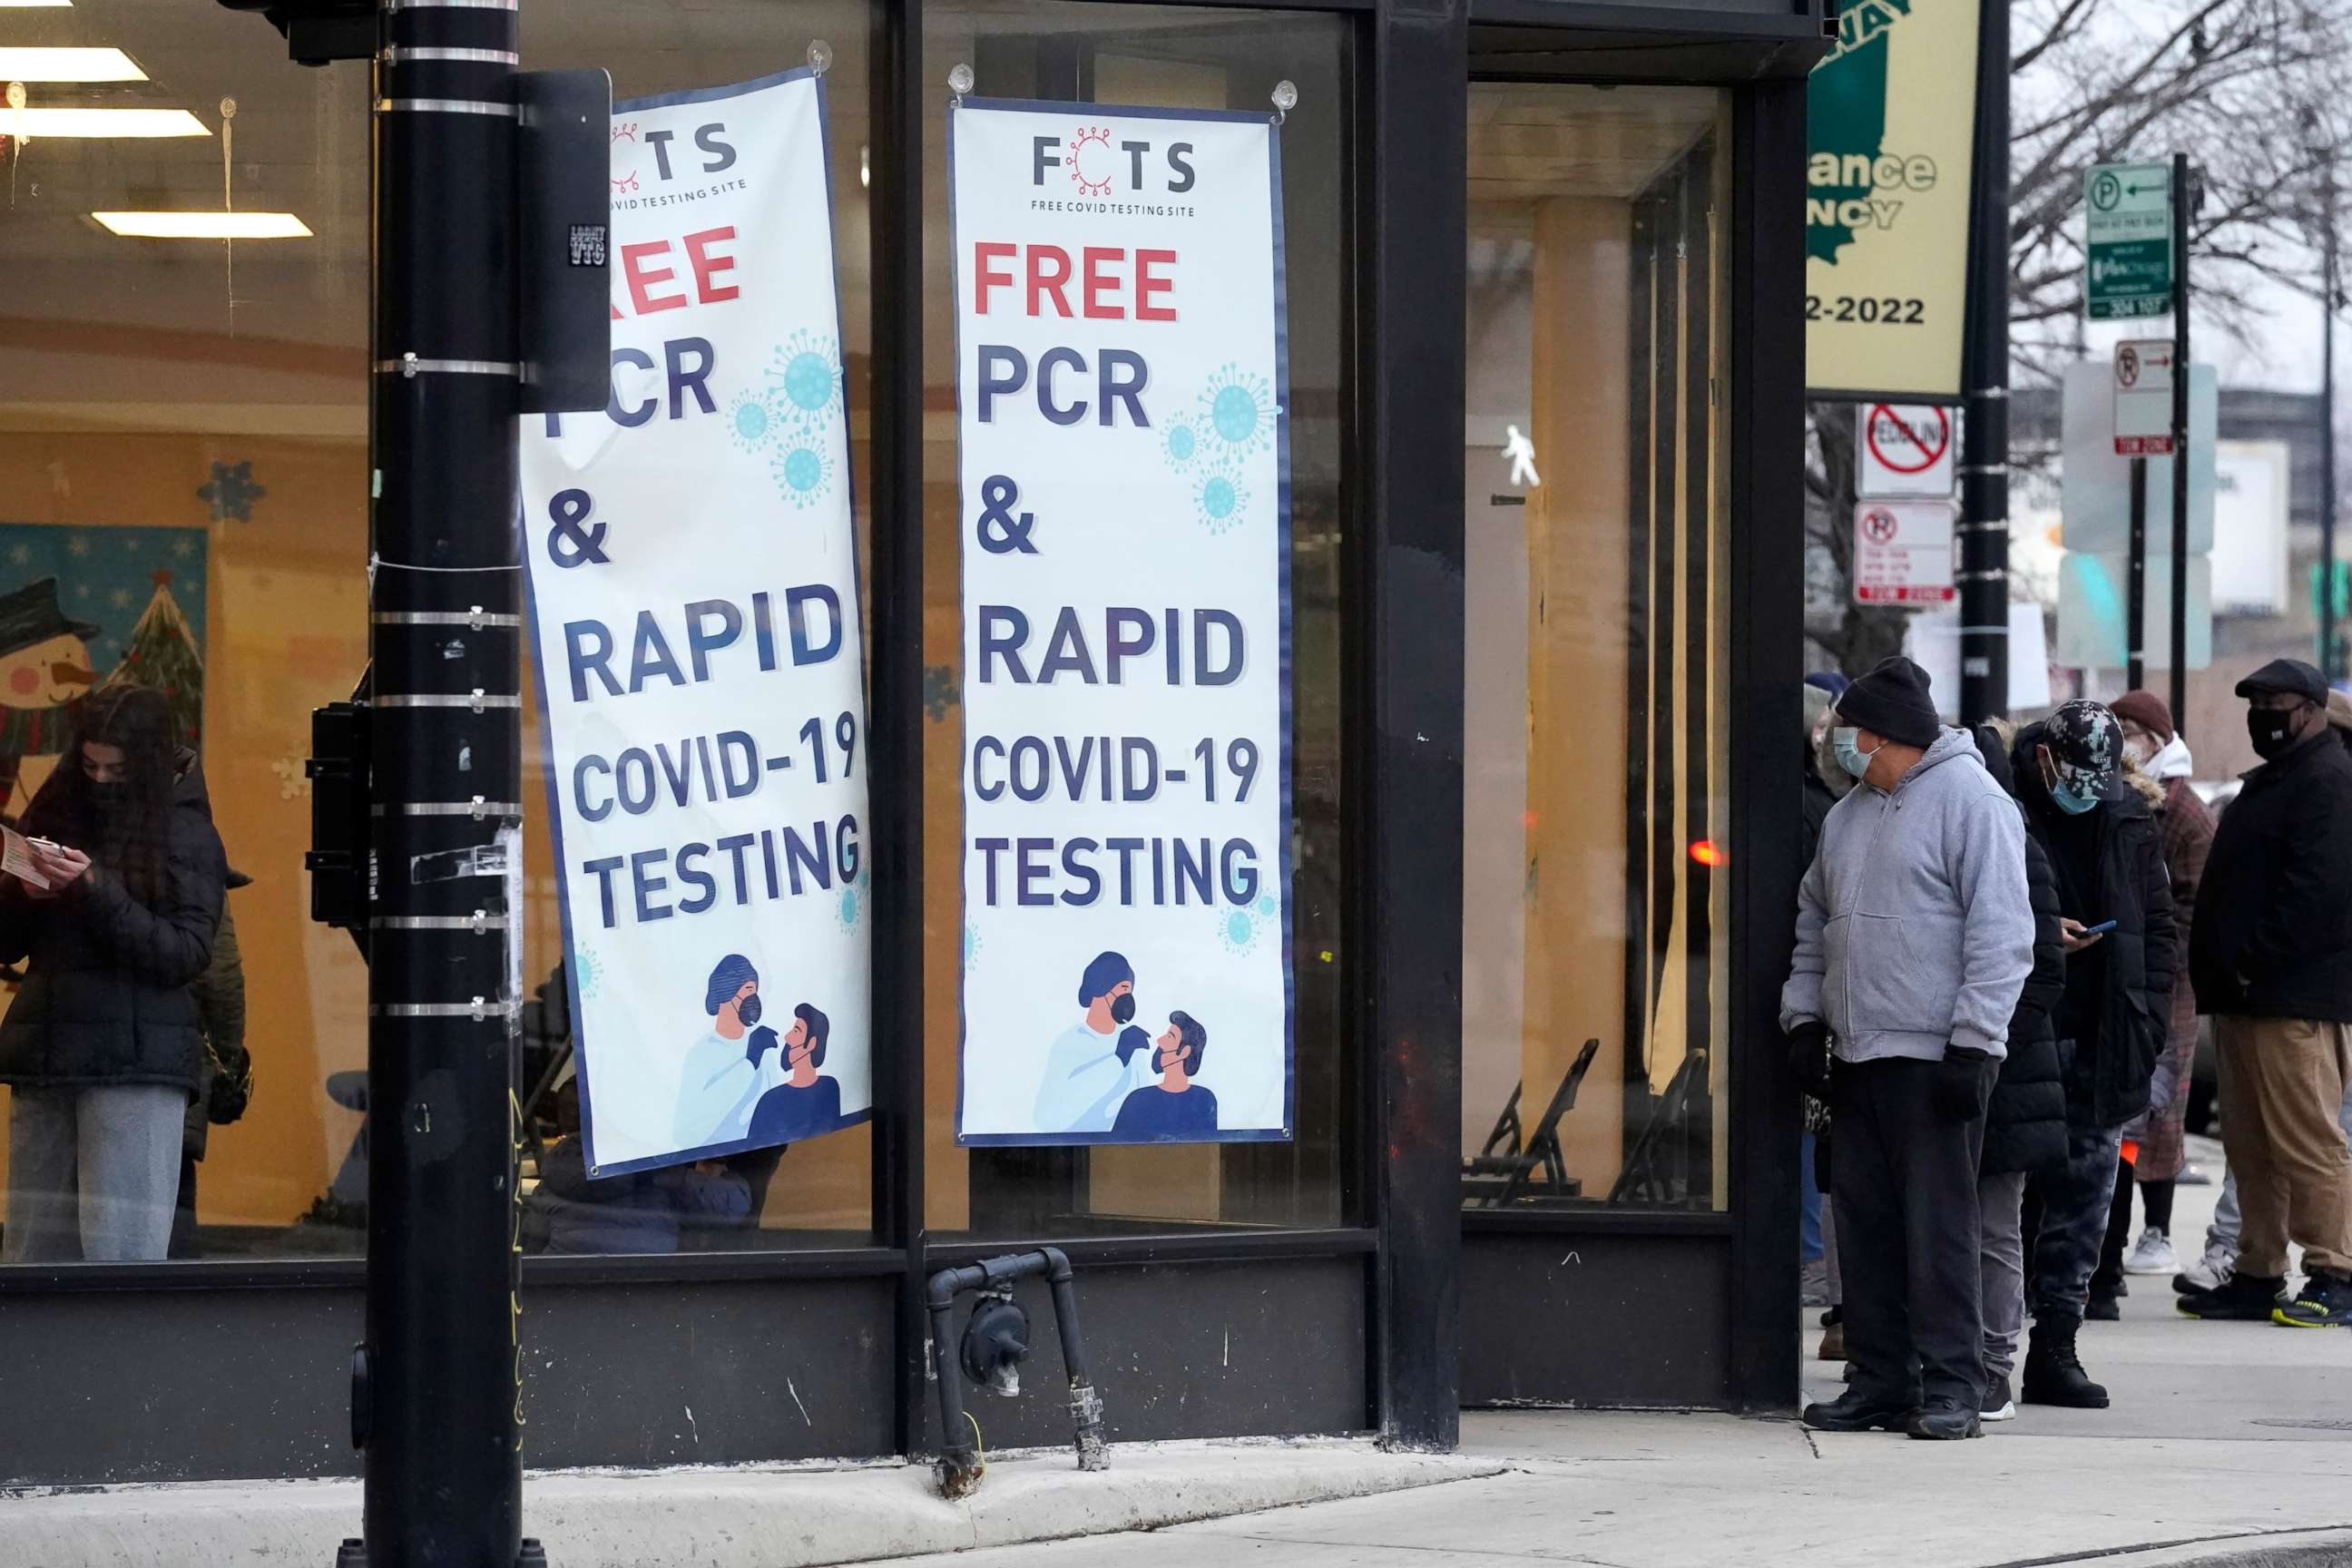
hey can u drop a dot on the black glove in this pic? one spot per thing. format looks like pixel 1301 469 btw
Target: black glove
pixel 763 1040
pixel 1131 1040
pixel 1808 1055
pixel 1963 1083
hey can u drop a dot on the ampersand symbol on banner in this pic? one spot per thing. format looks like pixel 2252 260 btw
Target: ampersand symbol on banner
pixel 1001 533
pixel 567 541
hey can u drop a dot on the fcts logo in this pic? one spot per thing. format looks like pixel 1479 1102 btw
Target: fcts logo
pixel 1092 160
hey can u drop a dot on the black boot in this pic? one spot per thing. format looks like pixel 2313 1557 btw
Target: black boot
pixel 1854 1411
pixel 2054 1372
pixel 1944 1420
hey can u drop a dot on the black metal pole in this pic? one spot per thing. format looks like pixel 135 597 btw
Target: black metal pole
pixel 2135 583
pixel 2330 663
pixel 443 1438
pixel 2179 624
pixel 1984 441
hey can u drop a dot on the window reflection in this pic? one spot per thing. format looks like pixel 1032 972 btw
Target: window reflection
pixel 1595 787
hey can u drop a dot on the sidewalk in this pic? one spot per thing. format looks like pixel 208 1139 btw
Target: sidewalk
pixel 2227 1442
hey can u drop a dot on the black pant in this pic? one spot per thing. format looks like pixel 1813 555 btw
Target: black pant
pixel 1906 1210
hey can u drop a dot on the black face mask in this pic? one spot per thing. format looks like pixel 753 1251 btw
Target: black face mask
pixel 747 1009
pixel 2267 728
pixel 110 796
pixel 1122 1008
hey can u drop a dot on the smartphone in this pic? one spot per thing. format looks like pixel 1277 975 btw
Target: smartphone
pixel 2100 930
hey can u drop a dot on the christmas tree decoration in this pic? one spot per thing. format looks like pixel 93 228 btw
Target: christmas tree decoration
pixel 163 655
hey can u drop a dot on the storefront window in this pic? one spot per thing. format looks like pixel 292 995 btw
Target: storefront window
pixel 183 502
pixel 1177 59
pixel 1596 1002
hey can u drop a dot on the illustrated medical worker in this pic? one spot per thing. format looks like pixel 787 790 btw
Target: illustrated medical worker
pixel 1092 1066
pixel 732 1065
pixel 805 1104
pixel 1175 1106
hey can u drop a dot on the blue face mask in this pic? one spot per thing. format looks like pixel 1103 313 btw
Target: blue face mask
pixel 1845 742
pixel 2071 801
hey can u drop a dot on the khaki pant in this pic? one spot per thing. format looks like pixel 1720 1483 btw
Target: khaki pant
pixel 2282 1081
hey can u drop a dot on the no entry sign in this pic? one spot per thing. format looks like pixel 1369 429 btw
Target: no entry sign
pixel 1903 450
pixel 1903 552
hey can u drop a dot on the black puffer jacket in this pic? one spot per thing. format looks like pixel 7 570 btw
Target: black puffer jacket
pixel 2273 934
pixel 108 992
pixel 2025 1130
pixel 2129 972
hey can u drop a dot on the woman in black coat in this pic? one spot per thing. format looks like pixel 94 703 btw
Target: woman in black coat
pixel 101 1048
pixel 2026 1129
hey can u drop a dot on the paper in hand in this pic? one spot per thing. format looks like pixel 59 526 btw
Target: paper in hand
pixel 17 859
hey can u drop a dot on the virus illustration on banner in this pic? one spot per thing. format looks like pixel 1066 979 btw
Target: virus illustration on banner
pixel 803 472
pixel 805 374
pixel 1238 407
pixel 1091 160
pixel 1239 928
pixel 751 422
pixel 1181 440
pixel 1220 500
pixel 587 972
pixel 970 947
pixel 855 896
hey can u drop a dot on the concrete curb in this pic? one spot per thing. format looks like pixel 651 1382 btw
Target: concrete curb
pixel 748 1518
pixel 2314 1548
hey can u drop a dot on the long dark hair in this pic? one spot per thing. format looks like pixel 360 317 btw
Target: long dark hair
pixel 131 838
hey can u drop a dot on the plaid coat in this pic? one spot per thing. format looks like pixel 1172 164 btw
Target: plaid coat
pixel 2186 829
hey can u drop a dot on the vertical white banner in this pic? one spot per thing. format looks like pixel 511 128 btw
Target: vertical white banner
pixel 694 601
pixel 1122 377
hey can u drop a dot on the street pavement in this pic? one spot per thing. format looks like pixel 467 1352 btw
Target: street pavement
pixel 2225 1443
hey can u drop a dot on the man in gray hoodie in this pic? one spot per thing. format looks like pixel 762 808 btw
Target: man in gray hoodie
pixel 1914 936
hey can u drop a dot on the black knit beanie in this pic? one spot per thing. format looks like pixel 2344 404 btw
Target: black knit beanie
pixel 1891 700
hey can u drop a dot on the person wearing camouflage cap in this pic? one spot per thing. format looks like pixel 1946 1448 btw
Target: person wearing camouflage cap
pixel 2112 1019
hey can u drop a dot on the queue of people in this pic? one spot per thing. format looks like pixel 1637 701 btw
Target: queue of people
pixel 2004 940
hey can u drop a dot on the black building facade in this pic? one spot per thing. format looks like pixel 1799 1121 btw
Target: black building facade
pixel 1544 783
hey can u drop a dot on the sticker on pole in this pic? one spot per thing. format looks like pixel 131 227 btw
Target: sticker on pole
pixel 1905 450
pixel 2144 397
pixel 1903 552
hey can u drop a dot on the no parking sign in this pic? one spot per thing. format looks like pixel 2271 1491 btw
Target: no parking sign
pixel 1903 552
pixel 1905 450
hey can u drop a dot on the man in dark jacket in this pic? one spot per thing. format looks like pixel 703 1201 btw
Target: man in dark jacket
pixel 2272 963
pixel 2101 837
pixel 2025 1126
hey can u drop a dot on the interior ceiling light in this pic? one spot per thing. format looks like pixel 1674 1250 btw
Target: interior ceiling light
pixel 27 64
pixel 204 225
pixel 100 123
pixel 29 5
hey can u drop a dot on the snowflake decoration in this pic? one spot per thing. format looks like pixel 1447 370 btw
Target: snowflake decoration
pixel 804 374
pixel 804 474
pixel 1220 500
pixel 939 692
pixel 1238 407
pixel 78 546
pixel 231 492
pixel 293 777
pixel 751 422
pixel 1181 440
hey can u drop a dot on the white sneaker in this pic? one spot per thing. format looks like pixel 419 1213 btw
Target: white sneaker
pixel 2210 1272
pixel 2153 1254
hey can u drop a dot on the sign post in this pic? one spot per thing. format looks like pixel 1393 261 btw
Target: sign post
pixel 2129 241
pixel 2180 200
pixel 2144 425
pixel 1905 450
pixel 1903 553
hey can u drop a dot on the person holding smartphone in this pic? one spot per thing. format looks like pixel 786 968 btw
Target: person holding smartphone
pixel 2122 953
pixel 101 1048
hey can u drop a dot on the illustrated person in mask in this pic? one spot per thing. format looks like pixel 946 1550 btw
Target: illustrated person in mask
pixel 2113 1018
pixel 1175 1106
pixel 806 1103
pixel 1914 937
pixel 2272 959
pixel 101 1048
pixel 1094 1064
pixel 732 1065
